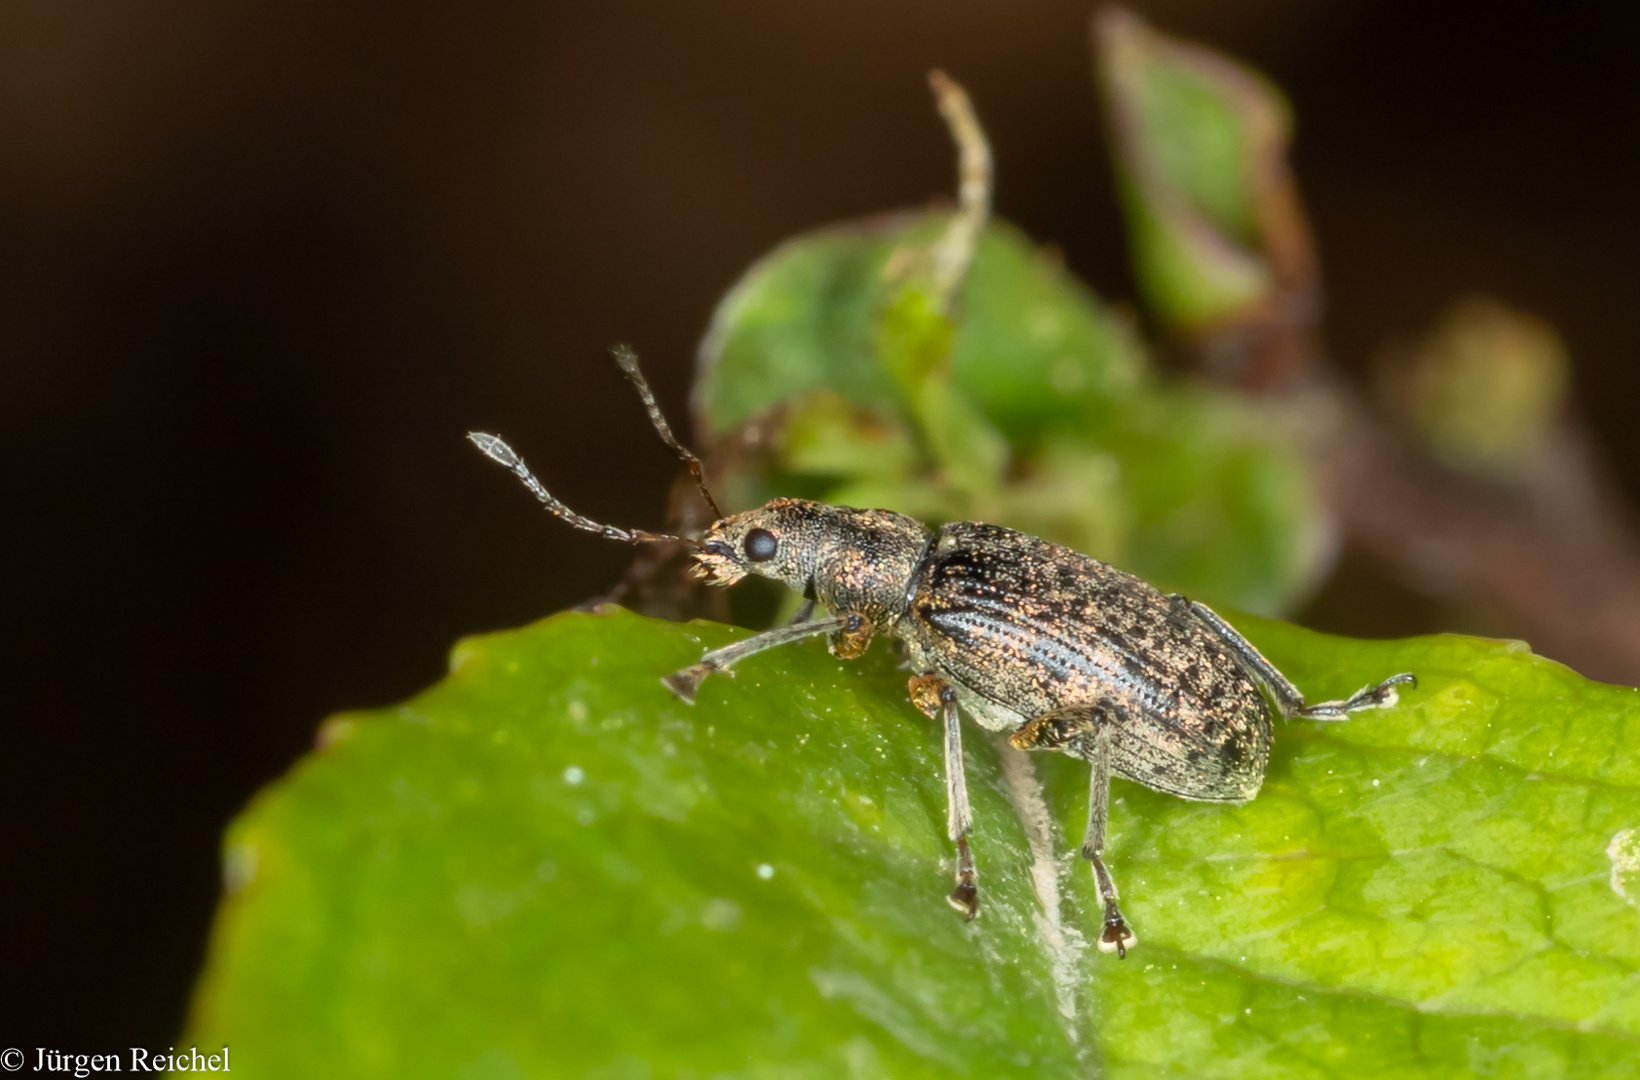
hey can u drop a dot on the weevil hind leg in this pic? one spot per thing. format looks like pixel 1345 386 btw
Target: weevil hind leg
pixel 1381 696
pixel 937 699
pixel 1084 731
pixel 1117 936
pixel 1288 698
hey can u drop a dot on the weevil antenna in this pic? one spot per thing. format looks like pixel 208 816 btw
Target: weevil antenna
pixel 502 454
pixel 628 360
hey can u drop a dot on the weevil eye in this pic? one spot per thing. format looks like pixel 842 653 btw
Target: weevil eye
pixel 760 545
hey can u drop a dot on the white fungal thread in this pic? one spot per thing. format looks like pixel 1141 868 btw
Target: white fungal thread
pixel 1064 944
pixel 1624 852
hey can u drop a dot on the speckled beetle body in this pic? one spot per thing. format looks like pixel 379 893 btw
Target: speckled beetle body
pixel 1058 650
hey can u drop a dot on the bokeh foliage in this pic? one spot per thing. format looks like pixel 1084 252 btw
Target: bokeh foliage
pixel 1031 404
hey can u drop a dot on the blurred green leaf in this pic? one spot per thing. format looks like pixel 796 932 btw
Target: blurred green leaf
pixel 826 436
pixel 1200 153
pixel 548 866
pixel 1030 406
pixel 1223 497
pixel 1029 342
pixel 1035 350
pixel 802 319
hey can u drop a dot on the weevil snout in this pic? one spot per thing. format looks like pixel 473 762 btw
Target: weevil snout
pixel 715 562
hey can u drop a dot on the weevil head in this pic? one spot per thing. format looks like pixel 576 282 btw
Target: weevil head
pixel 849 560
pixel 776 540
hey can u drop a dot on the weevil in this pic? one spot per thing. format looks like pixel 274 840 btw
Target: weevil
pixel 1058 650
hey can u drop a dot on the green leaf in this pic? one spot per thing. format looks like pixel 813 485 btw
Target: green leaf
pixel 1223 499
pixel 548 866
pixel 1036 351
pixel 1031 344
pixel 1200 155
pixel 770 340
pixel 1191 487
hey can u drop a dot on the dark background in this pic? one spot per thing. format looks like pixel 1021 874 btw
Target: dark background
pixel 263 264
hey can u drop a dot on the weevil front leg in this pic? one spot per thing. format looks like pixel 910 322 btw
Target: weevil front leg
pixel 686 682
pixel 1288 698
pixel 938 701
pixel 1084 731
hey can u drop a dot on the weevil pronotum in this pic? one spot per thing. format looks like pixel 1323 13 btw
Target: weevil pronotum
pixel 1059 650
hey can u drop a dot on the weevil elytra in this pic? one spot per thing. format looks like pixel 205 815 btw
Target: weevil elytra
pixel 1059 650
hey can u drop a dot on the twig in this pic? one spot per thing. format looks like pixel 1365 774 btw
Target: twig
pixel 954 250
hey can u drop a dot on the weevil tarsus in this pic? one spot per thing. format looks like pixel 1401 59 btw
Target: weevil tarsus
pixel 937 699
pixel 1381 696
pixel 1289 700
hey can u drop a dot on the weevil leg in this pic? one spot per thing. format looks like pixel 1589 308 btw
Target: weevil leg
pixel 1084 731
pixel 686 682
pixel 1381 696
pixel 938 701
pixel 803 614
pixel 1117 936
pixel 852 639
pixel 1288 698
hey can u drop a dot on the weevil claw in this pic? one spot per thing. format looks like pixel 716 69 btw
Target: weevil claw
pixel 1385 695
pixel 965 898
pixel 1117 938
pixel 686 682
